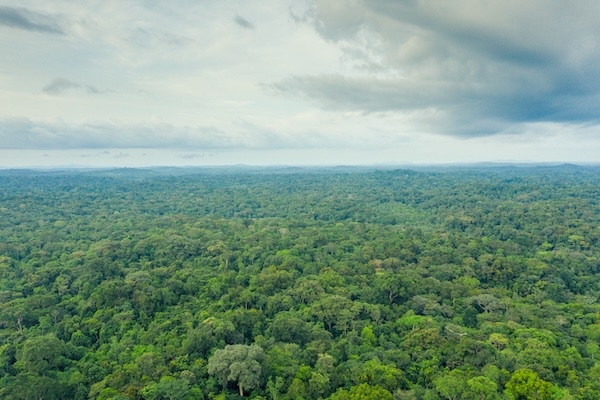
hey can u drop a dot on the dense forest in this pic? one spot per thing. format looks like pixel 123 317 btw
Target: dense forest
pixel 457 283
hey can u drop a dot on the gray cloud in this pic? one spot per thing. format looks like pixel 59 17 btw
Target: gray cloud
pixel 121 155
pixel 24 133
pixel 22 18
pixel 244 23
pixel 485 68
pixel 62 85
pixel 468 111
pixel 193 156
pixel 94 155
pixel 149 38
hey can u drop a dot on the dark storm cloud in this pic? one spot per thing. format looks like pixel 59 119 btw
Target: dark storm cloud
pixel 244 23
pixel 62 85
pixel 486 67
pixel 21 18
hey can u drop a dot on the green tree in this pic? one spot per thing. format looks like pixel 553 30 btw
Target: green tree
pixel 363 391
pixel 452 384
pixel 168 388
pixel 481 388
pixel 375 373
pixel 274 388
pixel 41 355
pixel 525 384
pixel 238 363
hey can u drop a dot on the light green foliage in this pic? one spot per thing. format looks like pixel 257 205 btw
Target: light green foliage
pixel 237 363
pixel 375 373
pixel 525 384
pixel 481 388
pixel 410 321
pixel 168 388
pixel 274 388
pixel 368 337
pixel 498 340
pixel 308 384
pixel 284 360
pixel 451 385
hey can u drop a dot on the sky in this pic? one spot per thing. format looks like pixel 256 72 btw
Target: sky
pixel 131 83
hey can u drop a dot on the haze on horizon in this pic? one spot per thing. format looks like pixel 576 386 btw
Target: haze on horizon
pixel 140 83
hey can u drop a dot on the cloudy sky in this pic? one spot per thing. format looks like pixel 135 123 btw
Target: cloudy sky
pixel 198 82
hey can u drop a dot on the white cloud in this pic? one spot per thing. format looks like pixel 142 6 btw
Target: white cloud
pixel 339 77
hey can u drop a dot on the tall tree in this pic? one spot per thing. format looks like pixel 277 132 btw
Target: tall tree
pixel 238 363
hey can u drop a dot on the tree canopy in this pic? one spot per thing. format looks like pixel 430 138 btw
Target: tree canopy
pixel 342 283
